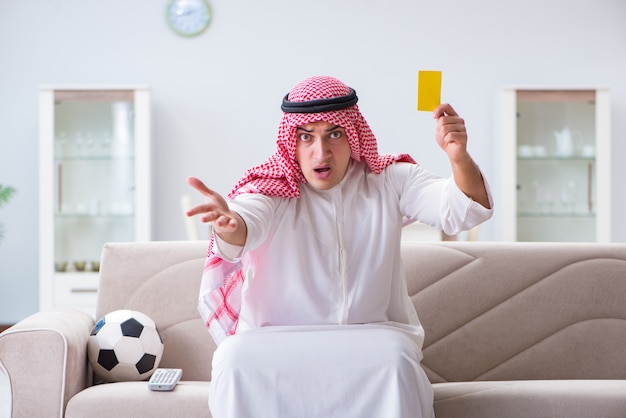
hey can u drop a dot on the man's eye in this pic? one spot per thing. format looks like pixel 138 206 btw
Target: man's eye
pixel 304 137
pixel 335 135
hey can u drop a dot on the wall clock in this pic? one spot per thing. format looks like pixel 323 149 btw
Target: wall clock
pixel 188 17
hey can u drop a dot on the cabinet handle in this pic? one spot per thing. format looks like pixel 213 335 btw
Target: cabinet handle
pixel 84 290
pixel 60 188
pixel 589 187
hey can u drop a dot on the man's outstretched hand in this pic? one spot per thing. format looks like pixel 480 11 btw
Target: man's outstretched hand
pixel 226 223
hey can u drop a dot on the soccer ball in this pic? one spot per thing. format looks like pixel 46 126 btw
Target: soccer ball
pixel 124 345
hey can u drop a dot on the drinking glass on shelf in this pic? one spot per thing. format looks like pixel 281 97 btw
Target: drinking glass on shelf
pixel 539 197
pixel 544 198
pixel 89 152
pixel 61 142
pixel 569 197
pixel 523 201
pixel 105 144
pixel 78 143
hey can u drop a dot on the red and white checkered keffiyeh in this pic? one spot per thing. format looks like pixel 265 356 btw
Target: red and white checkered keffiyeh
pixel 280 175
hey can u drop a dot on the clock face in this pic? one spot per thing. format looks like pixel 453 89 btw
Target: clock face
pixel 188 17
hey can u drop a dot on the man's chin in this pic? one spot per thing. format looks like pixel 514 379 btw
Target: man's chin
pixel 318 184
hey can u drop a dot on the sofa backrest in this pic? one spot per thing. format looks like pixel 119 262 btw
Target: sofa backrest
pixel 162 280
pixel 491 311
pixel 515 311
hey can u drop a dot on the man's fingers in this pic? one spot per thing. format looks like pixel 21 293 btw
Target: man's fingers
pixel 456 122
pixel 450 128
pixel 226 223
pixel 200 186
pixel 210 213
pixel 215 210
pixel 444 109
pixel 195 210
pixel 455 137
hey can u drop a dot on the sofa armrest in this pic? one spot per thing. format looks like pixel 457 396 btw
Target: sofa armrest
pixel 45 359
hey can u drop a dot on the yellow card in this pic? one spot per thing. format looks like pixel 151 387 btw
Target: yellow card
pixel 428 90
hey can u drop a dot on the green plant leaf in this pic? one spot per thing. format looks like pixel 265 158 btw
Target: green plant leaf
pixel 5 194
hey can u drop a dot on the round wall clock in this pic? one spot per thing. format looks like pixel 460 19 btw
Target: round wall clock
pixel 188 17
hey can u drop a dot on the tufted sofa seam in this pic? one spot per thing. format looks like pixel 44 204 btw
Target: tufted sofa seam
pixel 509 297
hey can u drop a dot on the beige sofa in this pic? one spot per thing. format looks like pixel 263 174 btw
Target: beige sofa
pixel 512 330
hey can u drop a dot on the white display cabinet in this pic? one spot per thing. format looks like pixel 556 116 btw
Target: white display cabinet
pixel 556 167
pixel 94 184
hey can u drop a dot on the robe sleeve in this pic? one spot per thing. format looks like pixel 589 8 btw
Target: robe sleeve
pixel 435 200
pixel 258 212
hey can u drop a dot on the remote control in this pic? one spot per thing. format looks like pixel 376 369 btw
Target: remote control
pixel 164 379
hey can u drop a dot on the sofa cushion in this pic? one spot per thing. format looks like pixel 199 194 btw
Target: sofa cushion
pixel 539 398
pixel 133 399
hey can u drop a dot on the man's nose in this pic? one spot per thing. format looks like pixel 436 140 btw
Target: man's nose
pixel 321 148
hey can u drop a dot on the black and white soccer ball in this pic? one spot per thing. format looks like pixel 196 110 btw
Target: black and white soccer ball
pixel 124 345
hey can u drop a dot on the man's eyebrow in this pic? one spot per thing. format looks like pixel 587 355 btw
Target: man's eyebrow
pixel 332 128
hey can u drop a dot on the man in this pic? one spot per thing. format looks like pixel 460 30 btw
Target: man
pixel 304 288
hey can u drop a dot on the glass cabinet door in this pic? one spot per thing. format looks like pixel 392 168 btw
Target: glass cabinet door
pixel 561 165
pixel 94 189
pixel 94 176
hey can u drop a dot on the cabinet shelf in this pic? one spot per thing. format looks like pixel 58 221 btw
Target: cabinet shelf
pixel 560 215
pixel 557 158
pixel 86 275
pixel 93 158
pixel 104 216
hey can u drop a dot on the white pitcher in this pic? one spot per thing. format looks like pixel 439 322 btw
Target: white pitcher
pixel 564 142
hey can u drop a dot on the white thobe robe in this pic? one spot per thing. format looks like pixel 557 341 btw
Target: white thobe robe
pixel 333 257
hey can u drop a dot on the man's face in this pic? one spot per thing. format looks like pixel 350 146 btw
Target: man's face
pixel 323 153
